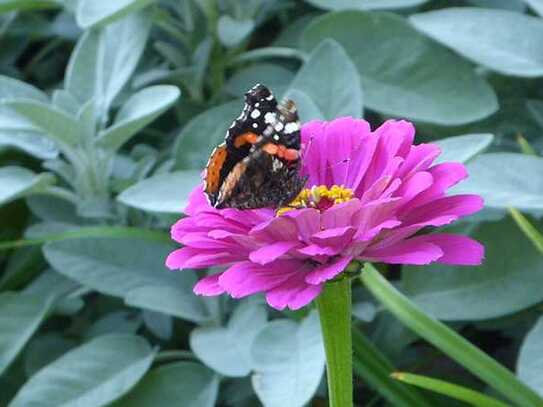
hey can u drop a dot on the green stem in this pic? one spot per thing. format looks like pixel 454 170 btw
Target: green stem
pixel 448 341
pixel 334 306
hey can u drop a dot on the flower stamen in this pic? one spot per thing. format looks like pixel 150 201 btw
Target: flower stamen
pixel 319 197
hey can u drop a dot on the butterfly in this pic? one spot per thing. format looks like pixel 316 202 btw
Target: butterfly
pixel 258 163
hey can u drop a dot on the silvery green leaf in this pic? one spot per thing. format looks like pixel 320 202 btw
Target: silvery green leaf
pixel 186 384
pixel 20 316
pixel 530 360
pixel 232 32
pixel 506 41
pixel 462 148
pixel 164 193
pixel 91 13
pixel 340 94
pixel 407 75
pixel 93 374
pixel 105 59
pixel 209 343
pixel 132 269
pixel 137 112
pixel 288 362
pixel 17 182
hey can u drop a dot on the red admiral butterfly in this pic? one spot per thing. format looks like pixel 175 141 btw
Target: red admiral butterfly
pixel 258 164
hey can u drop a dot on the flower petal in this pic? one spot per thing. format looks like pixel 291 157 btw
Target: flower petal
pixel 450 207
pixel 271 252
pixel 457 249
pixel 328 271
pixel 208 286
pixel 293 293
pixel 411 251
pixel 246 278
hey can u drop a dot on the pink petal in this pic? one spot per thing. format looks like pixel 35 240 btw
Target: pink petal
pixel 189 257
pixel 457 249
pixel 420 158
pixel 308 221
pixel 340 215
pixel 336 238
pixel 276 229
pixel 413 186
pixel 328 271
pixel 344 136
pixel 271 252
pixel 246 278
pixel 293 293
pixel 445 176
pixel 451 207
pixel 411 251
pixel 197 202
pixel 208 286
pixel 314 250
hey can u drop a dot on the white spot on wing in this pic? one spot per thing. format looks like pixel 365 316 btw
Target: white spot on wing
pixel 269 117
pixel 255 125
pixel 278 126
pixel 276 137
pixel 291 127
pixel 255 114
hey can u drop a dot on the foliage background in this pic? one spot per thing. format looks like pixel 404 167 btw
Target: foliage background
pixel 108 111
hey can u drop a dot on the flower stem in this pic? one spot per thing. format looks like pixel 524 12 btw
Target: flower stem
pixel 334 306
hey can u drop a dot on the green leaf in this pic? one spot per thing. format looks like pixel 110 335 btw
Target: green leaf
pixel 203 133
pixel 340 94
pixel 94 374
pixel 104 60
pixel 91 13
pixel 12 88
pixel 448 341
pixel 274 76
pixel 373 367
pixel 473 398
pixel 520 180
pixel 288 362
pixel 407 75
pixel 117 232
pixel 129 268
pixel 29 141
pixel 57 125
pixel 505 41
pixel 164 193
pixel 364 4
pixel 184 384
pixel 307 107
pixel 20 5
pixel 20 317
pixel 268 52
pixel 232 32
pixel 16 182
pixel 536 5
pixel 530 360
pixel 469 293
pixel 209 343
pixel 463 148
pixel 528 229
pixel 138 111
pixel 514 5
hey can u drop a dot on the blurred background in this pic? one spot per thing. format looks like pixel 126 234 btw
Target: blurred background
pixel 108 113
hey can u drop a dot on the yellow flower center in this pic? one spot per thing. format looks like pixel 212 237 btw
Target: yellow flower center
pixel 320 197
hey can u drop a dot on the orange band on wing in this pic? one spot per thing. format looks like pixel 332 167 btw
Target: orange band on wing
pixel 245 138
pixel 213 169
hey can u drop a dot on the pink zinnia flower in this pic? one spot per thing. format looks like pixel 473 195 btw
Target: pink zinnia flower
pixel 368 194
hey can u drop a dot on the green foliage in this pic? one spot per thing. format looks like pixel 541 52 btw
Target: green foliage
pixel 108 112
